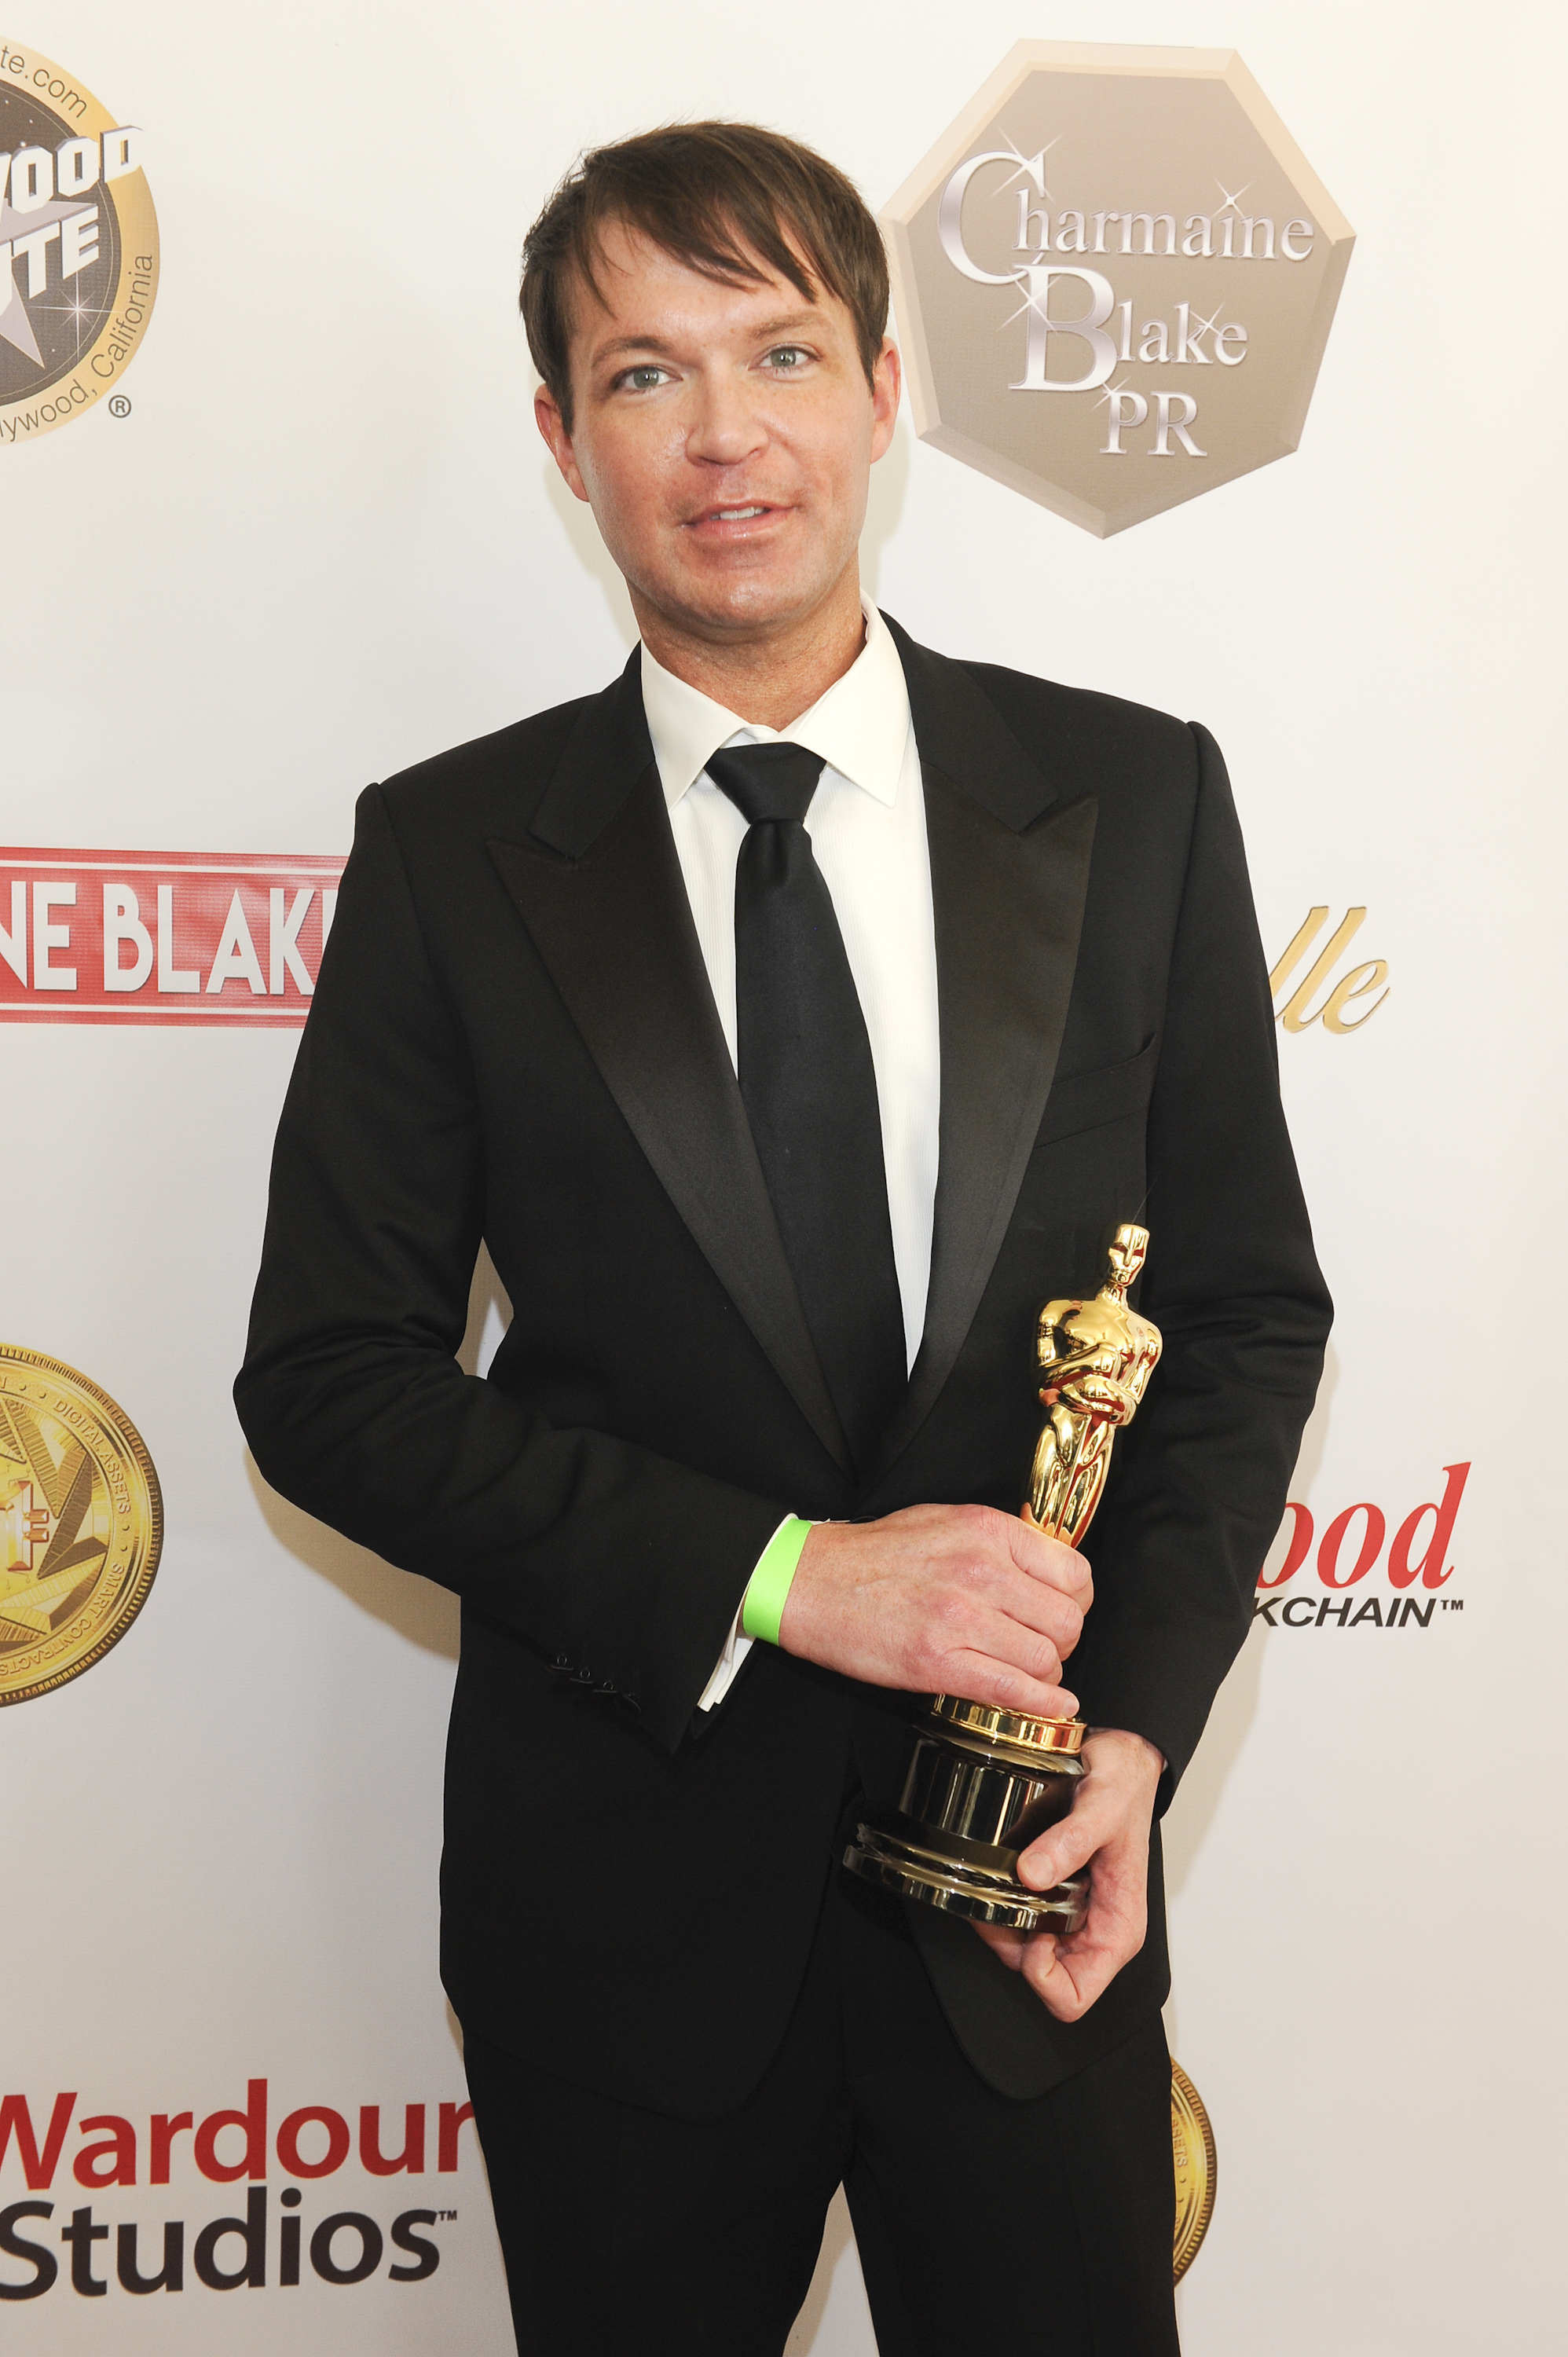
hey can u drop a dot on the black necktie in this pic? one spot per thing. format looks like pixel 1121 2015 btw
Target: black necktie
pixel 810 1090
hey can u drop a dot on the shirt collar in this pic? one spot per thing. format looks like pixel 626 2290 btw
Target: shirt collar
pixel 860 726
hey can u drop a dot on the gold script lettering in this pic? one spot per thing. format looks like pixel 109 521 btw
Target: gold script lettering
pixel 1355 984
pixel 1298 1010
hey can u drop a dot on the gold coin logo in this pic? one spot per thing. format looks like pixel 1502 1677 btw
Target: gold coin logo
pixel 79 248
pixel 81 1523
pixel 1196 2170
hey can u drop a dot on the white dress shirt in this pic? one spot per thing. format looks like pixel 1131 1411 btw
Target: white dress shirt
pixel 867 826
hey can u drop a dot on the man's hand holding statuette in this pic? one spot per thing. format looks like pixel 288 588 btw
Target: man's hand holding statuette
pixel 966 1600
pixel 942 1599
pixel 1107 1830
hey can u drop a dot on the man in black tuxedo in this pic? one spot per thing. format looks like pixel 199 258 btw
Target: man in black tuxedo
pixel 789 1020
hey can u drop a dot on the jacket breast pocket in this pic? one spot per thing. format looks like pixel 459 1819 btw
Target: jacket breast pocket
pixel 1085 1101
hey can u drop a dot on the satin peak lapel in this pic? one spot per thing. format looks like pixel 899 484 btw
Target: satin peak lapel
pixel 598 885
pixel 1009 874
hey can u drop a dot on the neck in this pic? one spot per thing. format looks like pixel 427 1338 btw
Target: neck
pixel 770 678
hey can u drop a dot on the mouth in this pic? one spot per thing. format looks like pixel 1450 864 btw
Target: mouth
pixel 738 516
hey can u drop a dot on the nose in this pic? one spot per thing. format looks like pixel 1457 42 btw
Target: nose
pixel 727 429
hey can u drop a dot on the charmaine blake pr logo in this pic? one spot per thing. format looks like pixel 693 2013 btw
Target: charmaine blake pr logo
pixel 79 246
pixel 1114 278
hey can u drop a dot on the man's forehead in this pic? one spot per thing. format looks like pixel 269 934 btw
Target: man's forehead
pixel 638 286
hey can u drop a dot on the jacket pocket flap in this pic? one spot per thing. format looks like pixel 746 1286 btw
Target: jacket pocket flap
pixel 1082 1101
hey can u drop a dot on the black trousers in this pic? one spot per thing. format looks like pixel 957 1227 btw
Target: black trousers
pixel 1043 2225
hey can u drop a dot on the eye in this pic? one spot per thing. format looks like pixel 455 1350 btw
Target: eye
pixel 787 356
pixel 647 377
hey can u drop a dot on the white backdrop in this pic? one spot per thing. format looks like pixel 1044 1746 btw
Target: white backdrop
pixel 326 542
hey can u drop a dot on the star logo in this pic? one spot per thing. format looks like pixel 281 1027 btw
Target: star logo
pixel 79 252
pixel 25 241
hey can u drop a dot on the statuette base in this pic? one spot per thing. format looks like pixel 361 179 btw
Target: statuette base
pixel 980 1895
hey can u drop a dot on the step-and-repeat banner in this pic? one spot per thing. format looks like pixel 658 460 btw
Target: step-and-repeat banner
pixel 1232 387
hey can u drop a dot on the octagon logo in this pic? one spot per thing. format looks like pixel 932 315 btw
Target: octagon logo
pixel 79 246
pixel 1115 276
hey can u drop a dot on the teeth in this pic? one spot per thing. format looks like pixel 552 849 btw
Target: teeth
pixel 736 515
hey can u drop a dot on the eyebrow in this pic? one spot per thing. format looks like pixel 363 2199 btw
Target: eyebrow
pixel 615 345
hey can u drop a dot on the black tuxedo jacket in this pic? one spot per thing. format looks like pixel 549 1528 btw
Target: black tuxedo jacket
pixel 514 1038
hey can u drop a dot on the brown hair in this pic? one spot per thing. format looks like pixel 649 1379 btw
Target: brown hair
pixel 729 200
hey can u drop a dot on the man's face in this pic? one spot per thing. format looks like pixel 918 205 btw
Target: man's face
pixel 723 437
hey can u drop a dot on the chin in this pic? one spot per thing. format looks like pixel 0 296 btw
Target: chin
pixel 755 603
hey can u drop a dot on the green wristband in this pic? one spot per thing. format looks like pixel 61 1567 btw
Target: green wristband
pixel 762 1607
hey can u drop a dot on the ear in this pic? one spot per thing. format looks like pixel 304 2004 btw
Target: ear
pixel 553 425
pixel 886 383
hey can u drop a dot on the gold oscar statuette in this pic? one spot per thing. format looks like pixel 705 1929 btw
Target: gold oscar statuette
pixel 982 1783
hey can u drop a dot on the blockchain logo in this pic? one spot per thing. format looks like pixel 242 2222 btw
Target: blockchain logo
pixel 81 1523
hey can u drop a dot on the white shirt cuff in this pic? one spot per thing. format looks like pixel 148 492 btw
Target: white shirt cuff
pixel 736 1648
